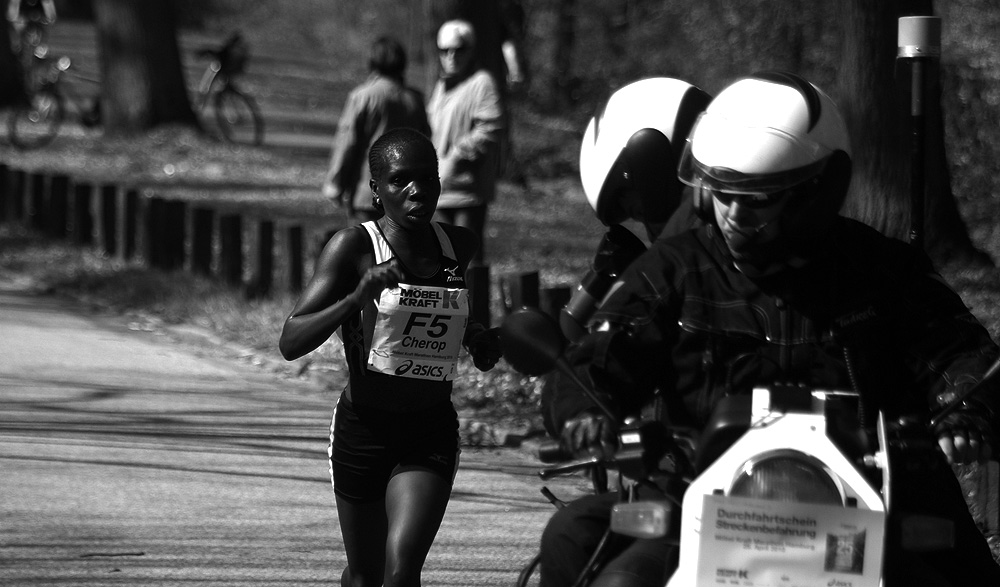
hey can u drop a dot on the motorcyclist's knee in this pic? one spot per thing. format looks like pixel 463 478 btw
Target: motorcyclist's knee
pixel 559 526
pixel 645 563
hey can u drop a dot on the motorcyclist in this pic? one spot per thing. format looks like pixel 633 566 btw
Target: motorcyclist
pixel 777 287
pixel 633 136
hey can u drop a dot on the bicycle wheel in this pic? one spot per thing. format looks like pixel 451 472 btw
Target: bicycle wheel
pixel 33 36
pixel 37 123
pixel 238 117
pixel 531 573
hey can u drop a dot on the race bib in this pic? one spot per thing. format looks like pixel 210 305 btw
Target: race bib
pixel 418 331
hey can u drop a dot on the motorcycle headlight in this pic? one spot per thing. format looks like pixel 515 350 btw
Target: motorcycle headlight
pixel 787 475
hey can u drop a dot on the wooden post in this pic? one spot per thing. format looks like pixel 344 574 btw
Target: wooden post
pixel 553 299
pixel 477 278
pixel 107 230
pixel 263 273
pixel 15 194
pixel 519 289
pixel 57 221
pixel 35 200
pixel 231 249
pixel 202 233
pixel 4 197
pixel 83 214
pixel 295 260
pixel 128 224
pixel 165 233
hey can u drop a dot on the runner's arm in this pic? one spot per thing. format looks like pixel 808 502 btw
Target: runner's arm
pixel 343 279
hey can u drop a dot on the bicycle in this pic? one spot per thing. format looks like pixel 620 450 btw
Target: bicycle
pixel 29 21
pixel 236 113
pixel 37 122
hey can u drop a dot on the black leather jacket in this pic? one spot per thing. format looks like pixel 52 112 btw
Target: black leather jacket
pixel 866 312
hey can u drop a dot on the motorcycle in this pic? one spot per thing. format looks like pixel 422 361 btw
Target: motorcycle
pixel 787 486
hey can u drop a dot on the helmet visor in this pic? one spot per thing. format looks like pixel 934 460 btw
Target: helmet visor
pixel 727 156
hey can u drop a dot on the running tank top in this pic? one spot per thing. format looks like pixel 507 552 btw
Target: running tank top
pixel 384 391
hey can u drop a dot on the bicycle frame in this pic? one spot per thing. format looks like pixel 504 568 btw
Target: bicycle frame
pixel 236 113
pixel 58 85
pixel 212 72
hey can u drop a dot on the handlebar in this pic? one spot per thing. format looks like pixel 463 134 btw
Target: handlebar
pixel 552 451
pixel 645 450
pixel 568 468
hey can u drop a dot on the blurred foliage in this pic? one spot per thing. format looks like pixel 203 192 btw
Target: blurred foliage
pixel 971 98
pixel 706 42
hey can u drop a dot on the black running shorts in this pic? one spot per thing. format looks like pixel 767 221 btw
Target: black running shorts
pixel 369 446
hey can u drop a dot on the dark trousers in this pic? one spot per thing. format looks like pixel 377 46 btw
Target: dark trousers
pixel 572 535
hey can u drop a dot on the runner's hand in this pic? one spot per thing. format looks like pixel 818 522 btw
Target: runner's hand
pixel 484 346
pixel 380 277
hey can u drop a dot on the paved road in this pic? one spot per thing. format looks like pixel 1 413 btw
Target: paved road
pixel 130 457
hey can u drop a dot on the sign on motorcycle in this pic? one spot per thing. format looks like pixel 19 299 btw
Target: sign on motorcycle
pixel 764 543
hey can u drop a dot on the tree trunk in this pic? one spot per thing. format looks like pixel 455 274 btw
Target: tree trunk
pixel 11 75
pixel 142 79
pixel 874 94
pixel 564 84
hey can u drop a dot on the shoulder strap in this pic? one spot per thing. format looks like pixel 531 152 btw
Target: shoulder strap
pixel 446 247
pixel 381 246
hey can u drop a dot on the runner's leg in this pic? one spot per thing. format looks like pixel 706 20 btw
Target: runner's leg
pixel 363 527
pixel 415 504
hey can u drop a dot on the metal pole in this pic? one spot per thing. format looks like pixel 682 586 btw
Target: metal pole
pixel 919 43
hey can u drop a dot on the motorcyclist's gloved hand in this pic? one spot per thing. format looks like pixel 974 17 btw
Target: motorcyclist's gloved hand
pixel 590 432
pixel 966 435
pixel 483 345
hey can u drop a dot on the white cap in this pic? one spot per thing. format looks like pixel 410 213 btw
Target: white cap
pixel 456 33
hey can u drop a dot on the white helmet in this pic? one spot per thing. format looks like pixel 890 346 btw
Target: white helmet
pixel 768 133
pixel 632 145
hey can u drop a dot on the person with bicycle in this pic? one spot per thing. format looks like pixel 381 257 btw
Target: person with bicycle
pixel 29 20
pixel 382 102
pixel 776 286
pixel 20 12
pixel 394 290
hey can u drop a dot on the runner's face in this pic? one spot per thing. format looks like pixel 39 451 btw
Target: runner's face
pixel 409 186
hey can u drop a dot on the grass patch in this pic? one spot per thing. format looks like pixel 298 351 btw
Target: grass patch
pixel 150 299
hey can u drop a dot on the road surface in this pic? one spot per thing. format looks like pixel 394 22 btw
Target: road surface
pixel 134 457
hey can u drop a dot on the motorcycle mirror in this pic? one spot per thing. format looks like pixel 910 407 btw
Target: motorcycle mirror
pixel 533 344
pixel 531 341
